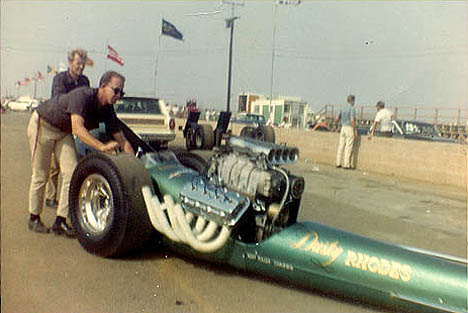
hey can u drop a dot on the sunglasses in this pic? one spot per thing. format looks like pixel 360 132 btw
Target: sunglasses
pixel 118 92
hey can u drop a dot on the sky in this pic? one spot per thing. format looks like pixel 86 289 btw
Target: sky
pixel 406 53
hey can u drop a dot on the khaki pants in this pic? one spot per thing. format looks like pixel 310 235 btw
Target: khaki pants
pixel 43 140
pixel 51 187
pixel 346 143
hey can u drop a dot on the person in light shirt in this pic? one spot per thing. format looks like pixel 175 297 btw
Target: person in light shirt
pixel 383 119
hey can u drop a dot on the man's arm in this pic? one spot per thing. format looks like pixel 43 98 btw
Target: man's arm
pixel 338 117
pixel 82 133
pixel 124 144
pixel 374 126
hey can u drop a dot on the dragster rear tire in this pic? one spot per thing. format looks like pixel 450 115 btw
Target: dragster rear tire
pixel 107 208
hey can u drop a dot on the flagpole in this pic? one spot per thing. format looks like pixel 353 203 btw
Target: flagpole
pixel 105 55
pixel 156 65
pixel 273 61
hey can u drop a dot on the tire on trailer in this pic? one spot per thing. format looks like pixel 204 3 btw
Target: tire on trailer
pixel 204 137
pixel 106 204
pixel 264 133
pixel 190 138
pixel 247 131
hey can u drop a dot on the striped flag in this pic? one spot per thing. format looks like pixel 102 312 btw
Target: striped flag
pixel 23 82
pixel 89 62
pixel 113 55
pixel 38 76
pixel 51 70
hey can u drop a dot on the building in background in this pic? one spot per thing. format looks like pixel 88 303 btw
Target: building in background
pixel 289 110
pixel 245 101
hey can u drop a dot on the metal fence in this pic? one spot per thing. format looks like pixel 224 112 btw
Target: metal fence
pixel 452 122
pixel 437 116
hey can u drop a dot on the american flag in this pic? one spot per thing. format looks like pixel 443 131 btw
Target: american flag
pixel 113 55
pixel 38 76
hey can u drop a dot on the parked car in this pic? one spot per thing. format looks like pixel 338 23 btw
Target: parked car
pixel 147 117
pixel 249 118
pixel 411 130
pixel 23 103
pixel 417 130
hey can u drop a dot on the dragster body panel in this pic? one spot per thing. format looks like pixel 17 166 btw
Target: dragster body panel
pixel 330 260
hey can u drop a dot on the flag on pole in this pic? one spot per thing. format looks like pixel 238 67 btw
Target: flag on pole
pixel 113 55
pixel 23 82
pixel 51 70
pixel 39 76
pixel 169 29
pixel 89 62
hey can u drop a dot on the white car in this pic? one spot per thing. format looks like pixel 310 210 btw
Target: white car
pixel 147 117
pixel 23 103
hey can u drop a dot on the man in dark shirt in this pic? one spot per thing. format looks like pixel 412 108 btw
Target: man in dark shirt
pixel 50 130
pixel 73 77
pixel 63 83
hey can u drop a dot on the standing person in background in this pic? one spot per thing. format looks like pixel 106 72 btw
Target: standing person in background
pixel 384 117
pixel 347 117
pixel 63 83
pixel 73 77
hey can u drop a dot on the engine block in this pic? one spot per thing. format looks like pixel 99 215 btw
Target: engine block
pixel 249 176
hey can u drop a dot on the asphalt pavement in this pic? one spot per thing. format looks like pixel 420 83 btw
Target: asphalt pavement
pixel 46 273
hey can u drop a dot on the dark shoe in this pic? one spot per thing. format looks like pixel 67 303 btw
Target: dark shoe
pixel 61 228
pixel 338 166
pixel 347 168
pixel 37 226
pixel 51 203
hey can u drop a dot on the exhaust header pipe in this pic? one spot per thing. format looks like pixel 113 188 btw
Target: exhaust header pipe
pixel 276 154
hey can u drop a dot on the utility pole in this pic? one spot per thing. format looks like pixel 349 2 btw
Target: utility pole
pixel 230 24
pixel 270 108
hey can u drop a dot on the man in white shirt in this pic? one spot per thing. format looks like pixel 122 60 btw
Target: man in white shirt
pixel 384 117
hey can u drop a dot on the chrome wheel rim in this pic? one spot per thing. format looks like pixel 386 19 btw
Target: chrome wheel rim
pixel 96 204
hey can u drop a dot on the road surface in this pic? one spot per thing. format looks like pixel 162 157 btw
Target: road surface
pixel 45 273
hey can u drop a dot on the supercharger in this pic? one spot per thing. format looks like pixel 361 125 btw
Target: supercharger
pixel 252 168
pixel 248 175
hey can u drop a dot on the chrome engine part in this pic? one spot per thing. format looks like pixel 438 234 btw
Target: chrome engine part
pixel 248 175
pixel 250 168
pixel 223 206
pixel 276 154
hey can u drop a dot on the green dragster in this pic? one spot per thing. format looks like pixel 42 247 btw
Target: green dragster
pixel 240 208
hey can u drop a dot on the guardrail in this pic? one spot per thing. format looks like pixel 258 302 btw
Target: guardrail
pixel 451 122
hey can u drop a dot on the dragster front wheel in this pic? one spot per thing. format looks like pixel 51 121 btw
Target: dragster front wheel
pixel 107 208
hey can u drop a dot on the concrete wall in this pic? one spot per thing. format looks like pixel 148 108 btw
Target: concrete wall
pixel 434 162
pixel 440 163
